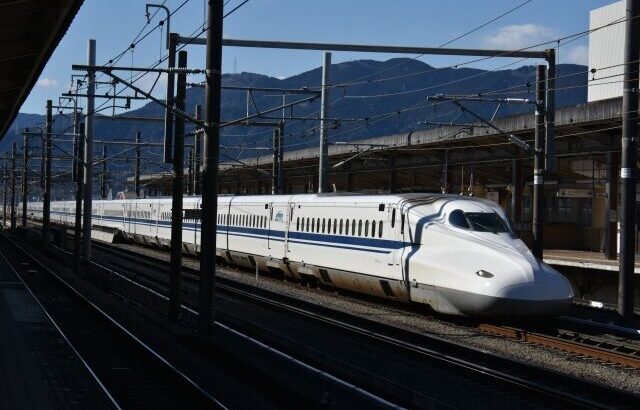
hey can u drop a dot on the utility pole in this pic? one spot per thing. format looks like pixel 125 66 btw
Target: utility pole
pixel 210 165
pixel 46 203
pixel 103 174
pixel 77 228
pixel 280 158
pixel 88 152
pixel 14 150
pixel 25 176
pixel 538 163
pixel 196 154
pixel 177 193
pixel 550 114
pixel 628 158
pixel 136 177
pixel 43 154
pixel 168 114
pixel 323 183
pixel 76 125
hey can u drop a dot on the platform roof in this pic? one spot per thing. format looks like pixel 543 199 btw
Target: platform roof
pixel 30 30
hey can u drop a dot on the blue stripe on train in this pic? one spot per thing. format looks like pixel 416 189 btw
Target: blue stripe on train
pixel 305 238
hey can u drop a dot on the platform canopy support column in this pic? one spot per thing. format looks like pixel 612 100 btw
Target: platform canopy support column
pixel 516 192
pixel 610 212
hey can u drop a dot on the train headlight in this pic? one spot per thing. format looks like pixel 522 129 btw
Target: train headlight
pixel 484 274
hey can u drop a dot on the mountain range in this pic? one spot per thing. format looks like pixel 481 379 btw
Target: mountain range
pixel 361 91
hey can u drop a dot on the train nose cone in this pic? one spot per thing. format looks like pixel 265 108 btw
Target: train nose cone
pixel 547 293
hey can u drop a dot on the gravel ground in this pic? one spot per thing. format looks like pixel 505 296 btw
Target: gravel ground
pixel 408 317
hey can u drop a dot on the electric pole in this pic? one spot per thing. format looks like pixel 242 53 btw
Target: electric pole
pixel 88 152
pixel 46 205
pixel 323 183
pixel 177 193
pixel 628 159
pixel 538 163
pixel 210 165
pixel 25 176
pixel 136 177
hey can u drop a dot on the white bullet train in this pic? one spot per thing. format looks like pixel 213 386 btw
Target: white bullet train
pixel 456 254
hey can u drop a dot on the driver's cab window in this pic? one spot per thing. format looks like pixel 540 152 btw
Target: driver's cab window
pixel 457 218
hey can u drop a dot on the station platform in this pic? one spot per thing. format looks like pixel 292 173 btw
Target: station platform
pixel 583 259
pixel 38 368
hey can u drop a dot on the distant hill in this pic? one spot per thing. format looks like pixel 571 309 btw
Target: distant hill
pixel 401 75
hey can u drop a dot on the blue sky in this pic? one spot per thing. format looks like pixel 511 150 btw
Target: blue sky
pixel 114 24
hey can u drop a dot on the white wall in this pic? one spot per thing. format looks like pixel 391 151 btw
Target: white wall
pixel 606 48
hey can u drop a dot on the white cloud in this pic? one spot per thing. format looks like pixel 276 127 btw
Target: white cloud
pixel 518 36
pixel 47 83
pixel 576 55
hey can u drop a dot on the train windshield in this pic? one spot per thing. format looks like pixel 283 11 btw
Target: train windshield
pixel 478 221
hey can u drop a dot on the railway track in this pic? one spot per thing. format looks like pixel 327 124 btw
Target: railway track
pixel 555 337
pixel 132 375
pixel 552 388
pixel 328 390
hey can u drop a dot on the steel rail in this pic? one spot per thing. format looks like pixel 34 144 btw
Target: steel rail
pixel 25 254
pixel 224 285
pixel 320 373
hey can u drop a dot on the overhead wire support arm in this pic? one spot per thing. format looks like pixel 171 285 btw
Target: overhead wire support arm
pixel 270 110
pixel 176 111
pixel 106 70
pixel 368 48
pixel 512 138
pixel 113 97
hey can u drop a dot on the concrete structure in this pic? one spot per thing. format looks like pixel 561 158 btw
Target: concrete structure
pixel 606 51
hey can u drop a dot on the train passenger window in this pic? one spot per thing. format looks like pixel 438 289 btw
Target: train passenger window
pixel 360 227
pixel 298 224
pixel 346 229
pixel 373 229
pixel 353 227
pixel 380 230
pixel 323 224
pixel 402 223
pixel 393 218
pixel 313 224
pixel 335 225
pixel 366 228
pixel 329 225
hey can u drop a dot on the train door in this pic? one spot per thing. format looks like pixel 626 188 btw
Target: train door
pixel 279 216
pixel 396 236
pixel 269 208
pixel 196 224
pixel 287 229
